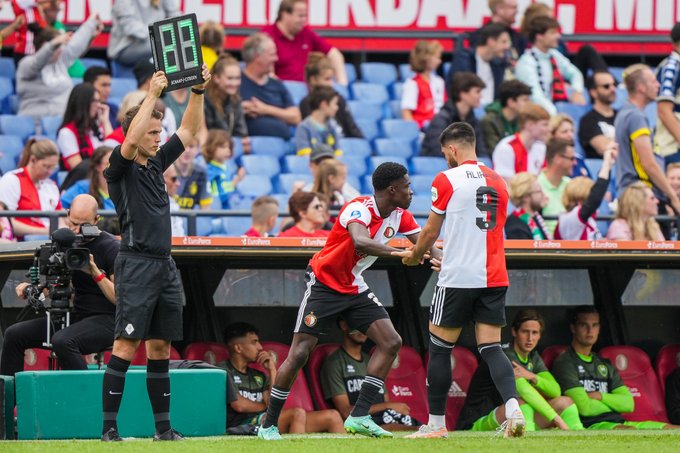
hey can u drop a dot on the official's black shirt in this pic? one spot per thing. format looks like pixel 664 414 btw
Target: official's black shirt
pixel 88 298
pixel 141 199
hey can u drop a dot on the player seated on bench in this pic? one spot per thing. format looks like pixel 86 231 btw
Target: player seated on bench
pixel 541 403
pixel 243 342
pixel 342 375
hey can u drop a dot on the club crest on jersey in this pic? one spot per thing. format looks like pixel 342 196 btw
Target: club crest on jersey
pixel 602 369
pixel 355 214
pixel 259 381
pixel 435 194
pixel 389 232
pixel 311 319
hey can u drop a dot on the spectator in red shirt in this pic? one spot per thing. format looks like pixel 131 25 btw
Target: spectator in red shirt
pixel 264 212
pixel 34 19
pixel 425 93
pixel 295 40
pixel 308 213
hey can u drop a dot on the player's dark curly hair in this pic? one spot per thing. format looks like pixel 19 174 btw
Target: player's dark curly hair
pixel 238 330
pixel 386 174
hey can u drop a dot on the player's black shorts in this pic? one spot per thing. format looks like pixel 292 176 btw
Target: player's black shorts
pixel 149 298
pixel 322 305
pixel 456 307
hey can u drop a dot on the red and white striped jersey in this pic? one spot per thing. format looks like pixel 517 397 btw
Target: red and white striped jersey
pixel 474 200
pixel 511 157
pixel 338 265
pixel 29 8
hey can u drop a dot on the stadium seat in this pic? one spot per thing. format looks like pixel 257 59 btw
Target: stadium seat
pixel 405 382
pixel 355 165
pixel 575 111
pixel 375 161
pixel 667 360
pixel 6 88
pixel 121 71
pixel 36 359
pixel 236 226
pixel 372 92
pixel 357 147
pixel 8 68
pixel 446 67
pixel 617 72
pixel 550 354
pixel 122 86
pixel 355 182
pixel 50 125
pixel 19 125
pixel 405 72
pixel 365 110
pixel 10 104
pixel 382 73
pixel 638 375
pixel 12 146
pixel 398 128
pixel 367 184
pixel 282 198
pixel 297 90
pixel 395 109
pixel 140 355
pixel 393 147
pixel 89 62
pixel 342 90
pixel 258 164
pixel 593 166
pixel 272 146
pixel 237 147
pixel 351 71
pixel 421 204
pixel 299 393
pixel 207 226
pixel 369 128
pixel 428 165
pixel 396 90
pixel 61 177
pixel 480 112
pixel 314 364
pixel 286 181
pixel 621 98
pixel 421 184
pixel 239 203
pixel 486 161
pixel 650 113
pixel 255 186
pixel 296 164
pixel 209 352
pixel 463 367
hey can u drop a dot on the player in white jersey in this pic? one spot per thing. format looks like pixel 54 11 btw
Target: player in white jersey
pixel 473 278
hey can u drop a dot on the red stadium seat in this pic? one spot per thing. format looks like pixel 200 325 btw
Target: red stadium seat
pixel 405 382
pixel 550 354
pixel 36 359
pixel 140 356
pixel 316 360
pixel 636 371
pixel 667 360
pixel 299 394
pixel 209 352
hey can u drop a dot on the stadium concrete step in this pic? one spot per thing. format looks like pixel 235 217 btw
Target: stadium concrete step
pixel 68 404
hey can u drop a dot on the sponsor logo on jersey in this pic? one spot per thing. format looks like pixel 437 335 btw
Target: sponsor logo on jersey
pixel 252 396
pixel 602 368
pixel 259 381
pixel 398 390
pixel 435 194
pixel 354 385
pixel 237 379
pixel 355 214
pixel 350 368
pixel 311 320
pixel 389 232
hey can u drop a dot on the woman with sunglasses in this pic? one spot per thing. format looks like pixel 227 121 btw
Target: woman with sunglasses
pixel 309 216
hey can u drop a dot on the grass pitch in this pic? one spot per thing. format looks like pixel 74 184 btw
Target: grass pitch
pixel 546 441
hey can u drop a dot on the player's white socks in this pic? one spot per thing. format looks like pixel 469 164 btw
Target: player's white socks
pixel 438 421
pixel 511 406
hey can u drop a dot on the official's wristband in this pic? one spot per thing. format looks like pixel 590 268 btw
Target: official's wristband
pixel 99 277
pixel 197 91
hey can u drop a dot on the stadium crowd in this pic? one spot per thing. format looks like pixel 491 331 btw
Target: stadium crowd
pixel 291 128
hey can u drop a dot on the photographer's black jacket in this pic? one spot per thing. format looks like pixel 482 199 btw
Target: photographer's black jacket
pixel 88 298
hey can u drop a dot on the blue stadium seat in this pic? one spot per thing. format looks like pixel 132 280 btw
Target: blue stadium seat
pixel 285 181
pixel 446 67
pixel 61 176
pixel 365 110
pixel 239 203
pixel 121 71
pixel 272 146
pixel 356 166
pixel 255 186
pixel 594 166
pixel 421 184
pixel 11 145
pixel 358 147
pixel 428 165
pixel 7 163
pixel 296 164
pixel 21 126
pixel 8 68
pixel 393 147
pixel 342 90
pixel 621 98
pixel 50 125
pixel 404 129
pixel 382 73
pixel 373 92
pixel 10 105
pixel 375 161
pixel 355 182
pixel 617 72
pixel 367 184
pixel 650 112
pixel 397 90
pixel 236 226
pixel 120 87
pixel 205 226
pixel 573 110
pixel 237 146
pixel 89 62
pixel 369 129
pixel 282 198
pixel 6 88
pixel 405 71
pixel 351 71
pixel 261 165
pixel 395 109
pixel 297 90
pixel 421 204
pixel 486 161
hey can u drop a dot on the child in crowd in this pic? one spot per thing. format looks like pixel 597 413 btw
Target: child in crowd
pixel 425 93
pixel 193 190
pixel 223 173
pixel 317 128
pixel 581 199
pixel 329 181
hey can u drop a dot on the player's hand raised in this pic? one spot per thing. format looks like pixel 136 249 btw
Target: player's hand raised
pixel 158 83
pixel 205 73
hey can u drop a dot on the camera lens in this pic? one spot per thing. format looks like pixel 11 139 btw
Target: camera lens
pixel 77 259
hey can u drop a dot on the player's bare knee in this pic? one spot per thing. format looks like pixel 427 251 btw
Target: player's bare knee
pixel 299 415
pixel 158 349
pixel 125 348
pixel 298 357
pixel 561 403
pixel 392 345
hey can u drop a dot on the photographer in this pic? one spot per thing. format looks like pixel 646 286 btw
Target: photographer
pixel 92 316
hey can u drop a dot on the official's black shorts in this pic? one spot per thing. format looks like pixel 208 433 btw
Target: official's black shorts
pixel 149 298
pixel 456 307
pixel 322 305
